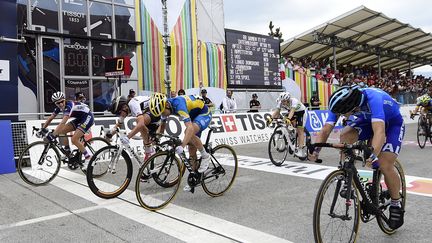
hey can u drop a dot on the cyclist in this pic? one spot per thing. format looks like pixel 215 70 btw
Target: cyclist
pixel 296 110
pixel 145 122
pixel 196 117
pixel 81 124
pixel 377 117
pixel 424 104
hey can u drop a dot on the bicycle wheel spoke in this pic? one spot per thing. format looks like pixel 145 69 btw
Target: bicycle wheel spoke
pixel 222 171
pixel 278 147
pixel 158 181
pixel 38 164
pixel 332 221
pixel 109 172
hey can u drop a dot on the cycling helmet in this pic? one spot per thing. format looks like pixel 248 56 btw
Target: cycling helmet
pixel 57 96
pixel 79 96
pixel 345 99
pixel 117 104
pixel 157 104
pixel 284 96
pixel 424 99
pixel 254 96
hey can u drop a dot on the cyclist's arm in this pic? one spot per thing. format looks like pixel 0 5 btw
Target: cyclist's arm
pixel 162 126
pixel 415 110
pixel 324 134
pixel 49 120
pixel 140 127
pixel 378 139
pixel 189 133
pixel 291 114
pixel 61 126
pixel 276 113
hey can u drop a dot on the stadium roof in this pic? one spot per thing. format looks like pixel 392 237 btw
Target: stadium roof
pixel 358 36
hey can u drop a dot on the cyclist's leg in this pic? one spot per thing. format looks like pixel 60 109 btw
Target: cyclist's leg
pixel 300 128
pixel 394 136
pixel 200 123
pixel 81 127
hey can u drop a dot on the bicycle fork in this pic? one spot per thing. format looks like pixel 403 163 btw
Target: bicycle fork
pixel 114 160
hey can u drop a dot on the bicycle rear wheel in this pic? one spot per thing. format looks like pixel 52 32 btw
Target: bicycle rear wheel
pixel 220 175
pixel 332 222
pixel 383 196
pixel 118 167
pixel 39 163
pixel 421 133
pixel 95 144
pixel 158 180
pixel 278 146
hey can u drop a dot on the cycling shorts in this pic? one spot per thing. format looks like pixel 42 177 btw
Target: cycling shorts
pixel 84 123
pixel 394 131
pixel 203 121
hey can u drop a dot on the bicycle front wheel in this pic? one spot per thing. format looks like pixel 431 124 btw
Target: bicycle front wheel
pixel 39 163
pixel 118 167
pixel 158 180
pixel 421 133
pixel 278 146
pixel 333 219
pixel 220 175
pixel 384 198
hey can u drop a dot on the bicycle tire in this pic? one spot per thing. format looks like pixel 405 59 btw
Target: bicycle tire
pixel 102 142
pixel 274 139
pixel 118 173
pixel 150 194
pixel 421 142
pixel 384 196
pixel 220 170
pixel 339 177
pixel 38 175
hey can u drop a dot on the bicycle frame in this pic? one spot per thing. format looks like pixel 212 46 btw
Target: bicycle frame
pixel 369 200
pixel 114 160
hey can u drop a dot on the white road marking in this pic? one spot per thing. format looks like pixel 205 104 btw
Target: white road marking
pixel 168 225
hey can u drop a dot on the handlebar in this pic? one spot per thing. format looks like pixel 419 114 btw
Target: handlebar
pixel 177 141
pixel 367 150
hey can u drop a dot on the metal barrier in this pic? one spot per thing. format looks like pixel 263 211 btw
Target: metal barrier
pixel 19 137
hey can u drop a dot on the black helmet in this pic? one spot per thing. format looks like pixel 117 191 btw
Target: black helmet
pixel 117 104
pixel 254 95
pixel 79 96
pixel 345 99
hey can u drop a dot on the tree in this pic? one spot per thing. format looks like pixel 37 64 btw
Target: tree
pixel 277 33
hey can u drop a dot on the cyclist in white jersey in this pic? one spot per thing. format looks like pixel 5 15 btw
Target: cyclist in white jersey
pixel 84 119
pixel 145 122
pixel 296 110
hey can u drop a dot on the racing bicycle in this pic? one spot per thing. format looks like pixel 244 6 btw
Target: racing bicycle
pixel 347 196
pixel 40 162
pixel 117 161
pixel 283 141
pixel 423 130
pixel 164 170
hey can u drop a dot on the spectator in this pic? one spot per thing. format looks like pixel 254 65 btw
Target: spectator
pixel 207 101
pixel 181 92
pixel 131 93
pixel 228 105
pixel 315 102
pixel 80 97
pixel 173 94
pixel 254 104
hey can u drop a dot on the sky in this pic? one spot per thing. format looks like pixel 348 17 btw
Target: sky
pixel 297 16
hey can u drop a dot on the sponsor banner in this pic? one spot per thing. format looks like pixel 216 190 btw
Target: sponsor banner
pixel 4 70
pixel 232 129
pixel 316 119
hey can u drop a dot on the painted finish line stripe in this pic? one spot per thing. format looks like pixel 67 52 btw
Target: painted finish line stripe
pixel 179 224
pixel 415 185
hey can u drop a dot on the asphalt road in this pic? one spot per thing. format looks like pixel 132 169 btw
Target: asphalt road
pixel 266 204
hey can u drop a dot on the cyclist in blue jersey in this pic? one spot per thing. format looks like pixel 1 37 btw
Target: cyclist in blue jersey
pixel 377 117
pixel 196 117
pixel 81 124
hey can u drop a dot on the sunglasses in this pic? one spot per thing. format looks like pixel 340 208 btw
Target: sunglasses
pixel 59 102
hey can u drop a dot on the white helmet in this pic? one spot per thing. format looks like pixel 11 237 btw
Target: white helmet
pixel 284 96
pixel 57 96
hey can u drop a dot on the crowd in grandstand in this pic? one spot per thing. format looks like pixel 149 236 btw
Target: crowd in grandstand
pixel 405 88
